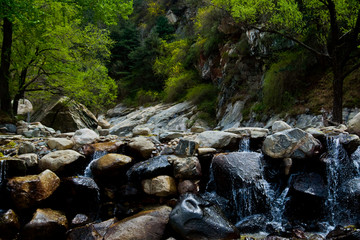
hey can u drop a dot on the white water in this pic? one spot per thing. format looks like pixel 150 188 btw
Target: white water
pixel 244 145
pixel 2 172
pixel 96 156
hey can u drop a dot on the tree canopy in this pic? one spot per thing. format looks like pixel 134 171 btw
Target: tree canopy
pixel 327 28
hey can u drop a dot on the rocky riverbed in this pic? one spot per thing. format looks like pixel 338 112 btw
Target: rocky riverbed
pixel 146 182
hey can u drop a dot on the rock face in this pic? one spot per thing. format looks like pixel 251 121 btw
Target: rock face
pixel 196 218
pixel 160 186
pixel 110 165
pixel 62 161
pixel 143 146
pixel 30 190
pixel 45 224
pixel 218 139
pixel 65 115
pixel 293 143
pixel 85 136
pixel 147 225
pixel 60 143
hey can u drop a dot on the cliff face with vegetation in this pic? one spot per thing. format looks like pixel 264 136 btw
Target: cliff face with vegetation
pixel 193 50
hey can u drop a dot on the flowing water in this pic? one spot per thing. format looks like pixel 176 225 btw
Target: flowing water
pixel 95 156
pixel 244 145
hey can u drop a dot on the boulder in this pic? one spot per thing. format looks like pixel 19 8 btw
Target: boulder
pixel 142 146
pixel 63 162
pixel 80 220
pixel 186 167
pixel 310 184
pixel 218 139
pixel 60 143
pixel 168 136
pixel 45 224
pixel 103 123
pixel 150 168
pixel 292 143
pixel 10 167
pixel 31 159
pixel 186 148
pixel 146 225
pixel 354 124
pixel 110 165
pixel 351 142
pixel 187 186
pixel 85 136
pixel 87 232
pixel 350 199
pixel 344 233
pixel 279 126
pixel 252 132
pixel 65 115
pixel 111 147
pixel 26 147
pixel 32 189
pixel 252 224
pixel 160 186
pixel 9 224
pixel 204 151
pixel 196 218
pixel 137 131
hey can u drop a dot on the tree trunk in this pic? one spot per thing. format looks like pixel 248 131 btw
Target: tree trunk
pixel 338 93
pixel 21 92
pixel 5 100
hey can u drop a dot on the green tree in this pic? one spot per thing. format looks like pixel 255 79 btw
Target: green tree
pixel 52 42
pixel 327 28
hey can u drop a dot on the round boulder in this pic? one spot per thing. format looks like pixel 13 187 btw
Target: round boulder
pixel 30 190
pixel 85 136
pixel 291 143
pixel 279 126
pixel 60 143
pixel 160 186
pixel 62 162
pixel 110 165
pixel 218 140
pixel 142 146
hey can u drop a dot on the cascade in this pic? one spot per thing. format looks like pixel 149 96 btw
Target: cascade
pixel 244 145
pixel 356 159
pixel 95 156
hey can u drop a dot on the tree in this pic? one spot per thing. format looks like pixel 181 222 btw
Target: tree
pixel 53 41
pixel 327 28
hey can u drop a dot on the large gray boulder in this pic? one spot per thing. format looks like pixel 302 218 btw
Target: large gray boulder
pixel 62 161
pixel 291 143
pixel 85 136
pixel 196 218
pixel 218 140
pixel 60 143
pixel 354 124
pixel 142 146
pixel 65 115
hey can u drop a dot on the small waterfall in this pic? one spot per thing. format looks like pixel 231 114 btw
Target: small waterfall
pixel 244 145
pixel 355 157
pixel 2 173
pixel 95 156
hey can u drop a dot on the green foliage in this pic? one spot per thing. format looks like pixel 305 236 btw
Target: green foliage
pixel 283 81
pixel 176 85
pixel 164 28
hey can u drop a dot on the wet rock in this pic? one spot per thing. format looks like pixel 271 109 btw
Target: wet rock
pixel 196 218
pixel 111 147
pixel 45 224
pixel 65 115
pixel 78 193
pixel 343 233
pixel 146 225
pixel 87 232
pixel 64 162
pixel 354 124
pixel 143 146
pixel 60 143
pixel 26 147
pixel 350 198
pixel 252 224
pixel 137 131
pixel 351 142
pixel 160 186
pixel 10 167
pixel 310 183
pixel 186 147
pixel 32 189
pixel 9 224
pixel 110 165
pixel 293 143
pixel 85 136
pixel 31 159
pixel 218 139
pixel 185 167
pixel 102 227
pixel 279 126
pixel 8 128
pixel 317 133
pixel 150 168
